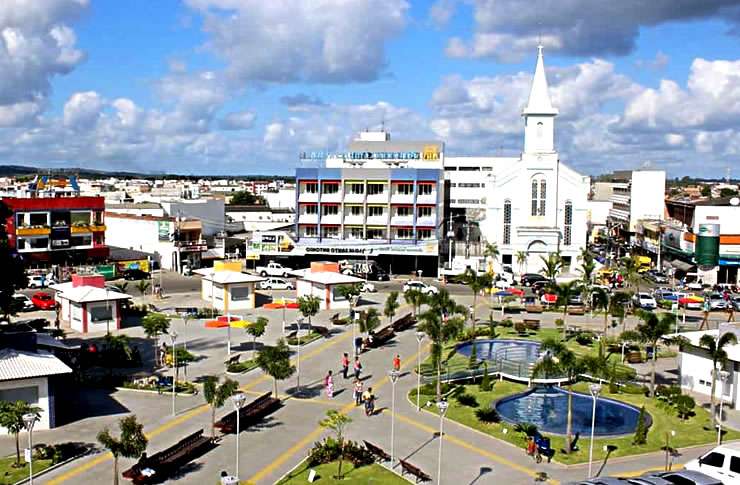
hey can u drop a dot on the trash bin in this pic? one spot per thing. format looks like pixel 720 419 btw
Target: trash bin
pixel 229 480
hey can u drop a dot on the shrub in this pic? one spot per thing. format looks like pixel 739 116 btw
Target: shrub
pixel 641 431
pixel 487 414
pixel 684 406
pixel 634 389
pixel 430 388
pixel 559 322
pixel 485 383
pixel 329 450
pixel 584 338
pixel 473 363
pixel 207 313
pixel 507 323
pixel 666 407
pixel 240 367
pixel 467 400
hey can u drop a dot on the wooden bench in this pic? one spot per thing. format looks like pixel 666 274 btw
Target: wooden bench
pixel 521 328
pixel 377 452
pixel 323 331
pixel 533 308
pixel 415 471
pixel 576 310
pixel 292 335
pixel 381 337
pixel 634 357
pixel 531 324
pixel 168 461
pixel 234 359
pixel 404 322
pixel 250 414
pixel 335 320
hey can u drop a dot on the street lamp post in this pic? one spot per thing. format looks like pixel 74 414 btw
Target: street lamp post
pixel 173 338
pixel 238 400
pixel 353 321
pixel 394 375
pixel 595 390
pixel 723 375
pixel 419 338
pixel 298 361
pixel 29 420
pixel 442 407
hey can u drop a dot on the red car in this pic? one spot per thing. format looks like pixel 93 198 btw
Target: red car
pixel 43 301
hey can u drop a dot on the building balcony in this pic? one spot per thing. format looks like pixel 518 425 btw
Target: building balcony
pixel 308 219
pixel 334 220
pixel 377 220
pixel 377 198
pixel 427 198
pixel 354 220
pixel 426 221
pixel 402 199
pixel 350 198
pixel 402 221
pixel 335 197
pixel 33 231
pixel 620 199
pixel 308 197
pixel 619 214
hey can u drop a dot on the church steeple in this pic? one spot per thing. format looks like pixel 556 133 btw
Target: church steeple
pixel 539 114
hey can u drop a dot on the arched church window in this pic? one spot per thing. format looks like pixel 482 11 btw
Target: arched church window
pixel 568 226
pixel 507 222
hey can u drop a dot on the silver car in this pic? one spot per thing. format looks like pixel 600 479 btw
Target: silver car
pixel 599 481
pixel 685 477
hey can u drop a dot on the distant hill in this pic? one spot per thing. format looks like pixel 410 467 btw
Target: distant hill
pixel 25 172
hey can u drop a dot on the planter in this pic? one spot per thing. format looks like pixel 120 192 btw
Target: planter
pixel 97 228
pixel 80 229
pixel 33 231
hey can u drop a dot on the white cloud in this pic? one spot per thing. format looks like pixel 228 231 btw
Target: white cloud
pixel 82 110
pixel 243 120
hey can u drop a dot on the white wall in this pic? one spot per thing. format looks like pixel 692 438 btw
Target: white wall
pixel 41 383
pixel 283 198
pixel 209 211
pixel 598 211
pixel 647 197
pixel 139 234
pixel 102 325
pixel 695 371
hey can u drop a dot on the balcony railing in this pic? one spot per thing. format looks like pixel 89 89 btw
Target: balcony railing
pixel 33 231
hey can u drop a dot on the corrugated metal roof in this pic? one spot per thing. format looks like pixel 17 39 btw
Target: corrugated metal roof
pixel 17 364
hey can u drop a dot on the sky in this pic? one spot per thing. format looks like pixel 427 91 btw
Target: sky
pixel 240 87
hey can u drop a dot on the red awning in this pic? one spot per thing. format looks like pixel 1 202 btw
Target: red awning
pixel 330 181
pixel 427 183
pixel 308 181
pixel 401 227
pixel 402 205
pixel 402 182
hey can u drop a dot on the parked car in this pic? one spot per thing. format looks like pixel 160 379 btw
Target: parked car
pixel 663 294
pixel 273 269
pixel 40 281
pixel 599 481
pixel 24 301
pixel 736 302
pixel 501 282
pixel 135 274
pixel 421 286
pixel 276 284
pixel 717 302
pixel 686 477
pixel 722 463
pixel 538 286
pixel 644 300
pixel 656 277
pixel 575 300
pixel 113 288
pixel 43 301
pixel 527 279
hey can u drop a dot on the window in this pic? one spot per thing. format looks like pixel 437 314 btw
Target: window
pixel 309 231
pixel 424 212
pixel 41 219
pixel 330 232
pixel 357 189
pixel 310 210
pixel 355 233
pixel 330 210
pixel 376 234
pixel 28 395
pixel 403 211
pixel 405 189
pixel 713 459
pixel 239 293
pixel 311 188
pixel 81 240
pixel 543 187
pixel 375 189
pixel 330 189
pixel 735 464
pixel 39 243
pixel 426 189
pixel 404 234
pixel 375 211
pixel 507 222
pixel 21 244
pixel 538 196
pixel 567 233
pixel 469 185
pixel 101 313
pixel 355 210
pixel 425 233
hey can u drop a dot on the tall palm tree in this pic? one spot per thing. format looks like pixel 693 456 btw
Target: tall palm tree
pixel 521 260
pixel 216 394
pixel 564 293
pixel 716 347
pixel 652 329
pixel 619 300
pixel 275 362
pixel 391 305
pixel 370 321
pixel 564 362
pixel 587 276
pixel 491 251
pixel 476 283
pixel 415 298
pixel 131 444
pixel 439 333
pixel 630 273
pixel 552 264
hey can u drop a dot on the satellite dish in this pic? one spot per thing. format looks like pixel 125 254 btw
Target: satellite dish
pixel 735 201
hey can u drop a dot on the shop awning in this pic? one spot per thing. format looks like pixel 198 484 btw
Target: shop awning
pixel 682 265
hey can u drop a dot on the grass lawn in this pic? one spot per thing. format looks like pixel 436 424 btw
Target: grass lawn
pixel 242 367
pixel 688 433
pixel 10 475
pixel 304 339
pixel 375 474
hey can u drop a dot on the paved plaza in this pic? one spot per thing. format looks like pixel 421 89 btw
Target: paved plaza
pixel 280 442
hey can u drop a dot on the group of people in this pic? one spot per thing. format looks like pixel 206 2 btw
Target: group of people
pixel 361 397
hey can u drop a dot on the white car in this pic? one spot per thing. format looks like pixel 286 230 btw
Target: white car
pixel 37 281
pixel 25 301
pixel 420 286
pixel 366 287
pixel 644 300
pixel 276 284
pixel 720 463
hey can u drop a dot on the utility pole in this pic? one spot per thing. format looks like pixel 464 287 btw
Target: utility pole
pixel 450 235
pixel 467 242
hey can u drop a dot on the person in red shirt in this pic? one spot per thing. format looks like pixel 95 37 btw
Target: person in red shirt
pixel 397 363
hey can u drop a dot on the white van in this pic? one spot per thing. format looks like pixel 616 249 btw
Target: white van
pixel 722 463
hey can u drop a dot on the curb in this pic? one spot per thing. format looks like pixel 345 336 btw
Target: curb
pixel 54 467
pixel 163 393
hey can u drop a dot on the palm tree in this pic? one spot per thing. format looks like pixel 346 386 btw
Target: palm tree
pixel 216 394
pixel 350 293
pixel 142 286
pixel 476 283
pixel 491 251
pixel 567 363
pixel 155 324
pixel 652 329
pixel 256 330
pixel 11 418
pixel 552 264
pixel 415 298
pixel 587 273
pixel 439 334
pixel 602 300
pixel 616 307
pixel 275 362
pixel 716 347
pixel 309 307
pixel 564 293
pixel 521 260
pixel 131 444
pixel 629 271
pixel 370 321
pixel 391 305
pixel 123 286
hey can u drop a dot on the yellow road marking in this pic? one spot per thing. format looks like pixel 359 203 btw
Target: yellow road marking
pixel 180 419
pixel 654 469
pixel 318 431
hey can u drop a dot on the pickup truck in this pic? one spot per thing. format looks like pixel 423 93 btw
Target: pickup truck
pixel 273 269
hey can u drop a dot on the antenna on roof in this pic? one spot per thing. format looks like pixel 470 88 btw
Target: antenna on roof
pixel 382 122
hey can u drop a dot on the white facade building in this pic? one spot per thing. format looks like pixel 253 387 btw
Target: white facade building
pixel 695 367
pixel 637 194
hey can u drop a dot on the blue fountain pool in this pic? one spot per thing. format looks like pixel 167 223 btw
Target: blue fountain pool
pixel 547 407
pixel 502 349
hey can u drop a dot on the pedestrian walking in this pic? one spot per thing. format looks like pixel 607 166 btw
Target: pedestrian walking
pixel 397 363
pixel 369 400
pixel 358 392
pixel 329 384
pixel 357 367
pixel 358 345
pixel 345 364
pixel 162 353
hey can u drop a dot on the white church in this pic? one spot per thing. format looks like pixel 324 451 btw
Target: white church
pixel 533 204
